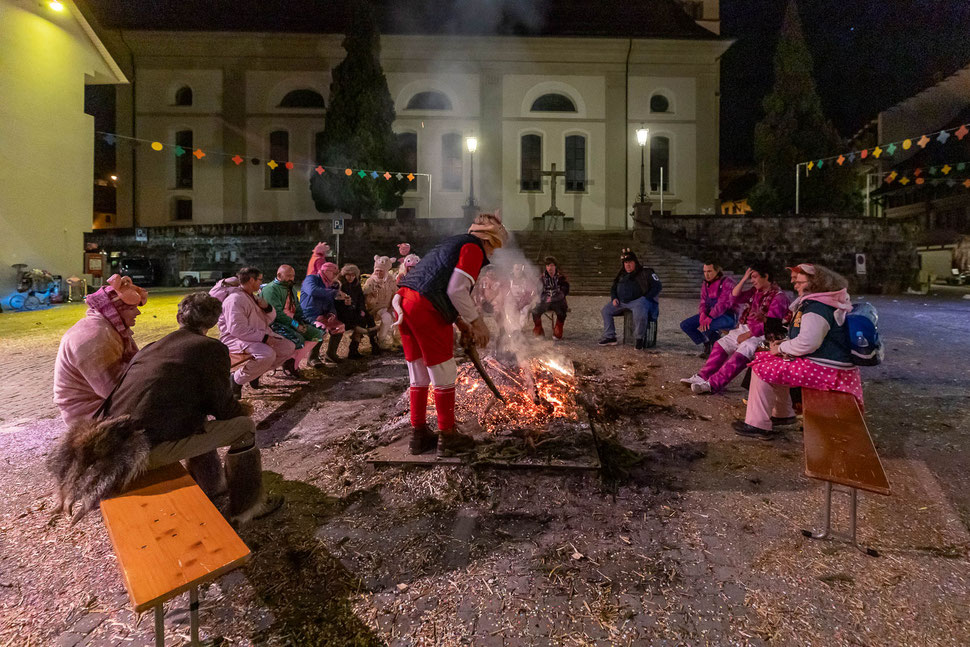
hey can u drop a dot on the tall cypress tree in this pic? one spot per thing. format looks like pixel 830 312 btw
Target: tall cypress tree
pixel 795 129
pixel 357 133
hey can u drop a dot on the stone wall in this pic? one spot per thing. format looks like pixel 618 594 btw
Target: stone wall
pixel 735 241
pixel 266 245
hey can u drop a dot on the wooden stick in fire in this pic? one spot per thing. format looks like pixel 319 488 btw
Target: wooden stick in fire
pixel 471 352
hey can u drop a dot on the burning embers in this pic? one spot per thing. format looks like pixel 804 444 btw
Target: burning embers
pixel 540 394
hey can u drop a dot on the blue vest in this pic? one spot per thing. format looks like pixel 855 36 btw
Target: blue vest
pixel 835 347
pixel 430 276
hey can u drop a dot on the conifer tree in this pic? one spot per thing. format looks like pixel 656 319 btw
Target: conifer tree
pixel 795 129
pixel 357 133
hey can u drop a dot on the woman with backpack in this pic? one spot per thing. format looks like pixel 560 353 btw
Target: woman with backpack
pixel 816 355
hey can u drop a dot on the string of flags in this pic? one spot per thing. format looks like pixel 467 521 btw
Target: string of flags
pixel 935 175
pixel 888 150
pixel 200 154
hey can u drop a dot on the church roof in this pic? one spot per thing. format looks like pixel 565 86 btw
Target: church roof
pixel 562 18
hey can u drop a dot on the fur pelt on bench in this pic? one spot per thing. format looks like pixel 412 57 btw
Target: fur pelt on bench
pixel 95 459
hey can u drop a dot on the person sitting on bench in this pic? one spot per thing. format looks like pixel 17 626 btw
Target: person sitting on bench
pixel 555 289
pixel 816 355
pixel 716 311
pixel 95 351
pixel 290 321
pixel 732 352
pixel 318 296
pixel 635 288
pixel 245 327
pixel 158 414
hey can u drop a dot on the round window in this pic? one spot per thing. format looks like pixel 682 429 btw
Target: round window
pixel 659 103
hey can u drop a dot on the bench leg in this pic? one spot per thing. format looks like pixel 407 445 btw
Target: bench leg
pixel 159 626
pixel 194 615
pixel 828 533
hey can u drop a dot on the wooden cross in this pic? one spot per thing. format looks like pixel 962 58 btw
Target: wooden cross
pixel 553 175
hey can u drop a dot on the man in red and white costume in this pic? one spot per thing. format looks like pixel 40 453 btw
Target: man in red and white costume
pixel 433 297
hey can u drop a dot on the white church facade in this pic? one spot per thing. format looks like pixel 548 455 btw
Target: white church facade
pixel 530 102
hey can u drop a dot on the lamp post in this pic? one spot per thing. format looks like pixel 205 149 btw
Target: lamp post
pixel 642 135
pixel 472 144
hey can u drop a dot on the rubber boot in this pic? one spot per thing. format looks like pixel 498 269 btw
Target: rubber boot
pixel 537 329
pixel 315 361
pixel 452 442
pixel 247 499
pixel 207 471
pixel 332 345
pixel 289 368
pixel 422 440
pixel 714 362
pixel 375 347
pixel 557 329
pixel 729 370
pixel 354 350
pixel 236 389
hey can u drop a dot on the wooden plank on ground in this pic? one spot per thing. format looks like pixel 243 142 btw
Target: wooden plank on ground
pixel 397 453
pixel 838 447
pixel 169 537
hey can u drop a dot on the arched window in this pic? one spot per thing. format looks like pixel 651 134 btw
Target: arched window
pixel 451 162
pixel 553 103
pixel 659 103
pixel 531 158
pixel 183 96
pixel 183 162
pixel 302 98
pixel 430 100
pixel 279 152
pixel 576 163
pixel 659 159
pixel 409 153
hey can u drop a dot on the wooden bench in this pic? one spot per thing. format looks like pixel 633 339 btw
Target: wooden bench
pixel 628 338
pixel 169 539
pixel 839 450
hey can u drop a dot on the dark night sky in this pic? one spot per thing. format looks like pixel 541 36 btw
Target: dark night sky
pixel 869 54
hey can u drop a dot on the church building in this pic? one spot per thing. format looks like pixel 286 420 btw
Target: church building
pixel 567 85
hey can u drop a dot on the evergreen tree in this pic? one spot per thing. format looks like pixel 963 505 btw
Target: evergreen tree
pixel 357 133
pixel 794 129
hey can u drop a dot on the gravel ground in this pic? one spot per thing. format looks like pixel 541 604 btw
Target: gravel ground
pixel 689 537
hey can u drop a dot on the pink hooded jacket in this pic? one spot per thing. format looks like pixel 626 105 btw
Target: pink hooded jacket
pixel 716 299
pixel 88 367
pixel 242 321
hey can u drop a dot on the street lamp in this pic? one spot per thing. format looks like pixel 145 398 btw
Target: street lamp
pixel 642 135
pixel 472 144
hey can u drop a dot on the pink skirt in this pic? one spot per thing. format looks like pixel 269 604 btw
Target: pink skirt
pixel 800 371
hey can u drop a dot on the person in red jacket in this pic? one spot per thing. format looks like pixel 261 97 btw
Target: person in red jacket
pixel 433 297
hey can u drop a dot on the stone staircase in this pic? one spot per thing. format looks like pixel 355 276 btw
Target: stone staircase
pixel 592 259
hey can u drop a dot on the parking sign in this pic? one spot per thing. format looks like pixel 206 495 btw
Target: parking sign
pixel 338 225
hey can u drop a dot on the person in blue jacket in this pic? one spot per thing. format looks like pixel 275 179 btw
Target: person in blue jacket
pixel 635 288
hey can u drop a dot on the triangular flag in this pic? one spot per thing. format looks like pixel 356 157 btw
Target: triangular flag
pixel 946 169
pixel 961 166
pixel 851 157
pixel 399 176
pixel 374 174
pixel 361 173
pixel 951 182
pixel 923 141
pixel 841 160
pixel 255 161
pixel 904 181
pixel 157 146
pixel 348 171
pixel 237 159
pixel 387 176
pixel 918 172
pixel 110 139
pixel 410 177
pixel 966 183
pixel 962 132
pixel 198 153
pixel 932 170
pixel 907 144
pixel 179 151
pixel 289 166
pixel 892 176
pixel 891 149
pixel 272 164
pixel 810 165
pixel 920 180
pixel 819 165
pixel 943 136
pixel 876 152
pixel 319 170
pixel 864 154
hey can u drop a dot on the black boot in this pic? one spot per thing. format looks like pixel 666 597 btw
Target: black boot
pixel 255 383
pixel 236 389
pixel 314 361
pixel 289 368
pixel 354 350
pixel 332 345
pixel 207 471
pixel 707 350
pixel 375 348
pixel 247 499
